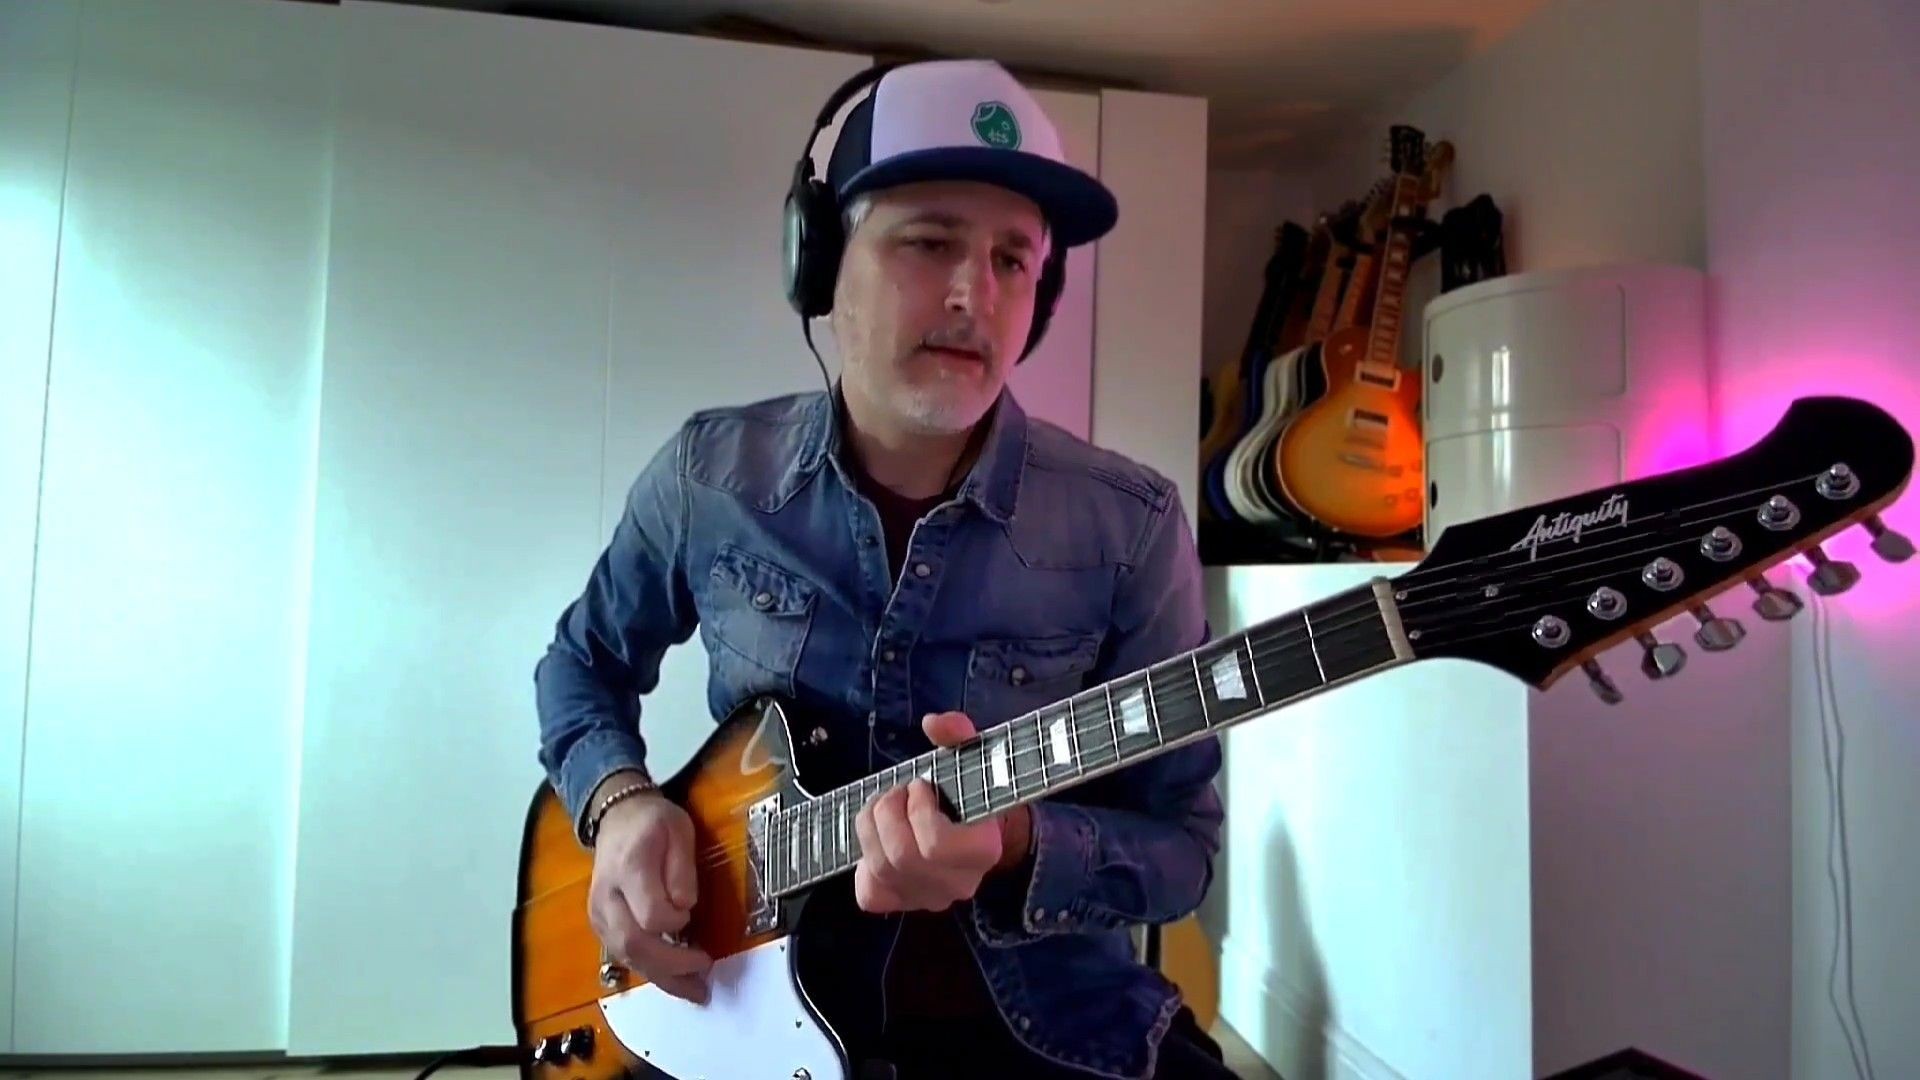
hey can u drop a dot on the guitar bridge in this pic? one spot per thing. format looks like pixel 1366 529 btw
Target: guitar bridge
pixel 762 909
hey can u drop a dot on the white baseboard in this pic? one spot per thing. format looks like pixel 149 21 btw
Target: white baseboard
pixel 1275 1018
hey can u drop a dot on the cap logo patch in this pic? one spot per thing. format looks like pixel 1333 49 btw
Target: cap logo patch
pixel 993 124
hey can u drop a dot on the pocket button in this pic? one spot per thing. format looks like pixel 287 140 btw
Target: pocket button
pixel 763 600
pixel 1018 675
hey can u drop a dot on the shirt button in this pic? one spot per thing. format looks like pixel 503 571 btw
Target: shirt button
pixel 1025 1023
pixel 1039 914
pixel 762 600
pixel 921 569
pixel 887 656
pixel 1019 675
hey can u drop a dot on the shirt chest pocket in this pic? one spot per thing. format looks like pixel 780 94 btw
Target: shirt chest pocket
pixel 758 613
pixel 1007 677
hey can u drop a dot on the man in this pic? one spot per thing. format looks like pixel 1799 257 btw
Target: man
pixel 908 558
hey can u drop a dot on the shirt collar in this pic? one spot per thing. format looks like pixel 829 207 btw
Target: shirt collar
pixel 993 484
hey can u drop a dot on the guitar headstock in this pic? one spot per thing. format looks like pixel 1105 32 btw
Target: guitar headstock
pixel 1543 589
pixel 1406 149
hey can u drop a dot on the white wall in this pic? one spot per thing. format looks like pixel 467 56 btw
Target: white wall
pixel 1373 905
pixel 1812 141
pixel 1656 909
pixel 1244 207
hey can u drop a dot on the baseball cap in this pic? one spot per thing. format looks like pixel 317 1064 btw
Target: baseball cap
pixel 967 120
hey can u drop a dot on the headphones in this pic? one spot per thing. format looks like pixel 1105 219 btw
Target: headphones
pixel 813 240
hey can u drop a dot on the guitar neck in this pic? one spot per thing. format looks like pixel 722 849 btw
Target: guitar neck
pixel 1106 727
pixel 1383 339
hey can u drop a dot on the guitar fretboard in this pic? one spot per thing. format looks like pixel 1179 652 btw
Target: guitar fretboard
pixel 1100 729
pixel 1383 342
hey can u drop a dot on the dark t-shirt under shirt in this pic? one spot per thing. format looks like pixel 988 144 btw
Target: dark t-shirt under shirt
pixel 932 972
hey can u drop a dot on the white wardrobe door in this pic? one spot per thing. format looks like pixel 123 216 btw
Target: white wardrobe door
pixel 523 210
pixel 38 43
pixel 165 627
pixel 1056 382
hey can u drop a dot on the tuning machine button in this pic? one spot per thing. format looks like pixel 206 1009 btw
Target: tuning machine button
pixel 1716 634
pixel 1662 574
pixel 1779 514
pixel 1602 685
pixel 1838 482
pixel 1721 544
pixel 1888 544
pixel 1551 631
pixel 1607 602
pixel 1663 658
pixel 1830 577
pixel 1774 604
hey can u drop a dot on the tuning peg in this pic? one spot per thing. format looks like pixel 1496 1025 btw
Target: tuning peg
pixel 1774 604
pixel 1888 544
pixel 1602 685
pixel 1830 577
pixel 1663 658
pixel 1716 634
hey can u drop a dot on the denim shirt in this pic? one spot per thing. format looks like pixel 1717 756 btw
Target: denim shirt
pixel 1056 566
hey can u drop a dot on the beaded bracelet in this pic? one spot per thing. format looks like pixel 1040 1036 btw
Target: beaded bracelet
pixel 638 787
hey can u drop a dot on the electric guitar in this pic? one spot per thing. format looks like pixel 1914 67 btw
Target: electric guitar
pixel 1354 460
pixel 1537 592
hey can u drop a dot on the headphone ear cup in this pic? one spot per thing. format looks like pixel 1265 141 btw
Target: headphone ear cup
pixel 813 244
pixel 1046 295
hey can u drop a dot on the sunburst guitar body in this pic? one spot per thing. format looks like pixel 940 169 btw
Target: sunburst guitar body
pixel 776 912
pixel 1355 459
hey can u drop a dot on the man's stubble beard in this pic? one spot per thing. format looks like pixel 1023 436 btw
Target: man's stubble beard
pixel 941 406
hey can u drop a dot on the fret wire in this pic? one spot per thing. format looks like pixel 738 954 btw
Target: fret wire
pixel 1306 620
pixel 1253 668
pixel 1200 687
pixel 1073 739
pixel 1113 718
pixel 1153 709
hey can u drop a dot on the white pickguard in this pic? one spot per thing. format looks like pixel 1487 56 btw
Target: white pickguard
pixel 753 1025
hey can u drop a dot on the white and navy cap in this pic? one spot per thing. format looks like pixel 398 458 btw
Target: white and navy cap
pixel 967 120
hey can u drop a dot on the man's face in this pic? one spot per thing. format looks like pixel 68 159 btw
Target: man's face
pixel 934 301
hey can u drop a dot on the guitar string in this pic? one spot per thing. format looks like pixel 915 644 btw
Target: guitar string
pixel 810 816
pixel 1563 588
pixel 1418 574
pixel 787 821
pixel 1549 574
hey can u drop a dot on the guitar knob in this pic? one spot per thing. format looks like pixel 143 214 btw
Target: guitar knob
pixel 1830 577
pixel 577 1043
pixel 1773 604
pixel 1716 634
pixel 1602 685
pixel 1663 658
pixel 1888 544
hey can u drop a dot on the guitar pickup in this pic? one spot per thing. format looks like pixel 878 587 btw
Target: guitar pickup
pixel 762 910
